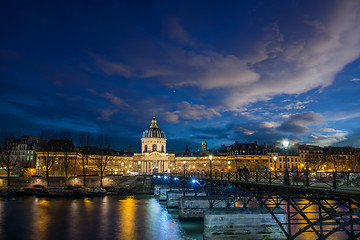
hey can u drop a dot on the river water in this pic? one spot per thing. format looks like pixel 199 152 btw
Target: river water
pixel 110 217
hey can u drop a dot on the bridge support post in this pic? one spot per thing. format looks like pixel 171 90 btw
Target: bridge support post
pixel 334 180
pixel 242 223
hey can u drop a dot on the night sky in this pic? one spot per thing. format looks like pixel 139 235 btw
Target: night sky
pixel 207 70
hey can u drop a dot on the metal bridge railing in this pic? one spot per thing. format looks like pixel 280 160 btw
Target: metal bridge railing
pixel 331 180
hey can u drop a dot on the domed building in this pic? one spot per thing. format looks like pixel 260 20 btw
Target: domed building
pixel 153 157
pixel 153 139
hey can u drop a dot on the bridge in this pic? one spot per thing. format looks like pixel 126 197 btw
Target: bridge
pixel 318 205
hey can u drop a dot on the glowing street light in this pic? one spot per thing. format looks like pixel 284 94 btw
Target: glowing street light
pixel 275 158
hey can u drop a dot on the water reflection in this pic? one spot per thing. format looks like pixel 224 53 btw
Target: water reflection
pixel 41 219
pixel 74 214
pixel 1 216
pixel 140 217
pixel 127 210
pixel 104 218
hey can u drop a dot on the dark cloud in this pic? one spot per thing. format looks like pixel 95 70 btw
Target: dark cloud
pixel 296 122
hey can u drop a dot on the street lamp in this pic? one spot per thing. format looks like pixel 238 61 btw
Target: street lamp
pixel 285 143
pixel 184 167
pixel 210 157
pixel 275 158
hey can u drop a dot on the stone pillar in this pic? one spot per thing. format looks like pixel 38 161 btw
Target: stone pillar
pixel 243 223
pixel 157 190
pixel 173 197
pixel 194 207
pixel 163 193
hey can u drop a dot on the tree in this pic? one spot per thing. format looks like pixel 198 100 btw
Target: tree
pixel 314 161
pixel 103 155
pixel 85 140
pixel 49 157
pixel 6 159
pixel 65 159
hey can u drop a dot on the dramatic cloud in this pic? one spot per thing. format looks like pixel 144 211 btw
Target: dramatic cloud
pixel 301 63
pixel 269 124
pixel 308 62
pixel 188 111
pixel 243 130
pixel 329 136
pixel 245 71
pixel 330 130
pixel 297 105
pixel 325 140
pixel 296 122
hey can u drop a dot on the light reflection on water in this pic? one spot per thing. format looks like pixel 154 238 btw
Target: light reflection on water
pixel 140 217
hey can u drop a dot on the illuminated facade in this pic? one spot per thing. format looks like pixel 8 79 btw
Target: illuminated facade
pixel 153 157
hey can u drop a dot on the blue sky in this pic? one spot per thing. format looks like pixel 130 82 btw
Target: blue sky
pixel 208 70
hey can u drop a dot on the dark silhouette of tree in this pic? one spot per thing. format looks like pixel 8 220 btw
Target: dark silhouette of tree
pixel 103 155
pixel 85 141
pixel 6 159
pixel 314 162
pixel 48 155
pixel 65 160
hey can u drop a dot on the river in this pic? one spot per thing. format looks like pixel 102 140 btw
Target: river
pixel 110 217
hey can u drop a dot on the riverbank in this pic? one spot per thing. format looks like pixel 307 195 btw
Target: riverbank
pixel 112 185
pixel 72 192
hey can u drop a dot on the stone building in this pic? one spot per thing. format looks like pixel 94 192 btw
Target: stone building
pixel 24 152
pixel 153 157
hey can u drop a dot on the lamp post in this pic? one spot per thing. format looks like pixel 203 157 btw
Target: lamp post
pixel 275 158
pixel 210 157
pixel 184 167
pixel 286 172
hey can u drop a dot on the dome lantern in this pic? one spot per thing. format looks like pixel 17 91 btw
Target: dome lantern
pixel 154 131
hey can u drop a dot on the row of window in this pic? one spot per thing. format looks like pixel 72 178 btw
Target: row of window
pixel 283 159
pixel 154 148
pixel 21 153
pixel 292 165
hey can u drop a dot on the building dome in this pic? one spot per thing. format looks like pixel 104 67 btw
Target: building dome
pixel 154 131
